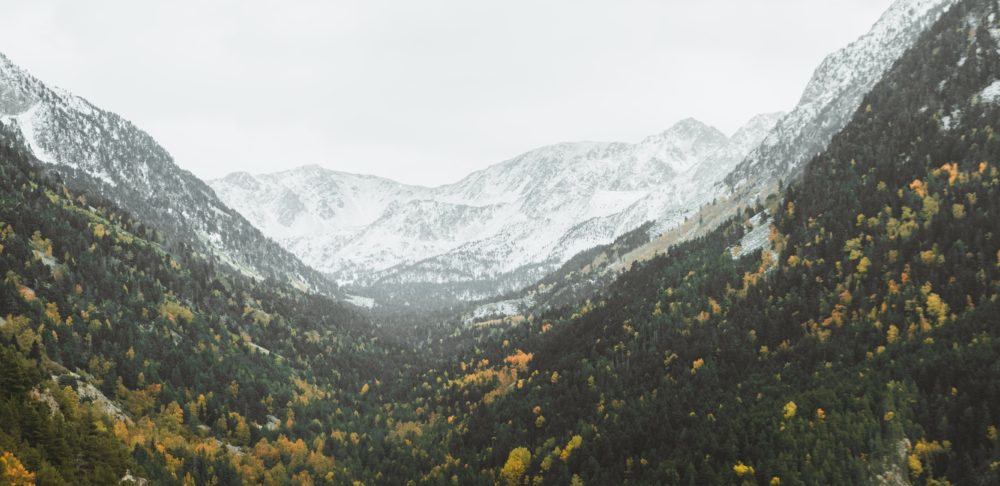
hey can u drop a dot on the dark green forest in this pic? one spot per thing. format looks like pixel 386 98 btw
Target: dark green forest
pixel 859 346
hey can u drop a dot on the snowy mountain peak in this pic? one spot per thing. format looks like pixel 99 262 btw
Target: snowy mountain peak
pixel 690 132
pixel 538 209
pixel 16 87
pixel 682 145
pixel 242 179
pixel 901 20
pixel 529 212
pixel 752 128
pixel 693 128
pixel 747 137
pixel 834 93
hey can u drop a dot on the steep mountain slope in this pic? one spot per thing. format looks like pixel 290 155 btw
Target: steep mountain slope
pixel 833 94
pixel 858 347
pixel 828 102
pixel 120 353
pixel 99 151
pixel 511 222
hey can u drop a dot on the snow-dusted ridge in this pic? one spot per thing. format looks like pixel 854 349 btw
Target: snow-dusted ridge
pixel 511 222
pixel 533 211
pixel 98 151
pixel 527 215
pixel 834 93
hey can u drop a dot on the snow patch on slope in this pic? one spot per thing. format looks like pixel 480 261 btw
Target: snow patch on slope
pixel 364 302
pixel 505 308
pixel 991 93
pixel 27 121
pixel 756 238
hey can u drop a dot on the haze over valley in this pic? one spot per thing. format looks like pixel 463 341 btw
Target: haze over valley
pixel 747 287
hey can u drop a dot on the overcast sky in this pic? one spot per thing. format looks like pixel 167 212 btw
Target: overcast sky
pixel 422 91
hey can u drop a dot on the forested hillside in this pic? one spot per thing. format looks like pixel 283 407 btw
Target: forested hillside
pixel 860 345
pixel 174 362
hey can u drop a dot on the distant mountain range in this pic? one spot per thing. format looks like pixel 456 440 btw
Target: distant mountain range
pixel 494 231
pixel 525 215
pixel 515 222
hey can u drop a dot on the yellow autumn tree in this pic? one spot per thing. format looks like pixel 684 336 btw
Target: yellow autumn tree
pixel 892 334
pixel 519 360
pixel 863 265
pixel 742 470
pixel 952 171
pixel 303 478
pixel 937 308
pixel 43 245
pixel 790 409
pixel 698 363
pixel 574 443
pixel 174 311
pixel 13 473
pixel 916 468
pixel 516 466
pixel 52 313
pixel 932 206
pixel 26 293
pixel 241 432
pixel 172 416
pixel 320 464
pixel 928 257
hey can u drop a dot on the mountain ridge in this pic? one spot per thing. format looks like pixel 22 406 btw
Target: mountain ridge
pixel 688 182
pixel 564 184
pixel 103 153
pixel 833 92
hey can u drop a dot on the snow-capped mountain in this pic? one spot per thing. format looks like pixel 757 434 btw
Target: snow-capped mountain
pixel 510 223
pixel 830 100
pixel 834 93
pixel 523 216
pixel 99 151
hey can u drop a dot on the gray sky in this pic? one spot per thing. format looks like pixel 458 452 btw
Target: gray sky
pixel 423 92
